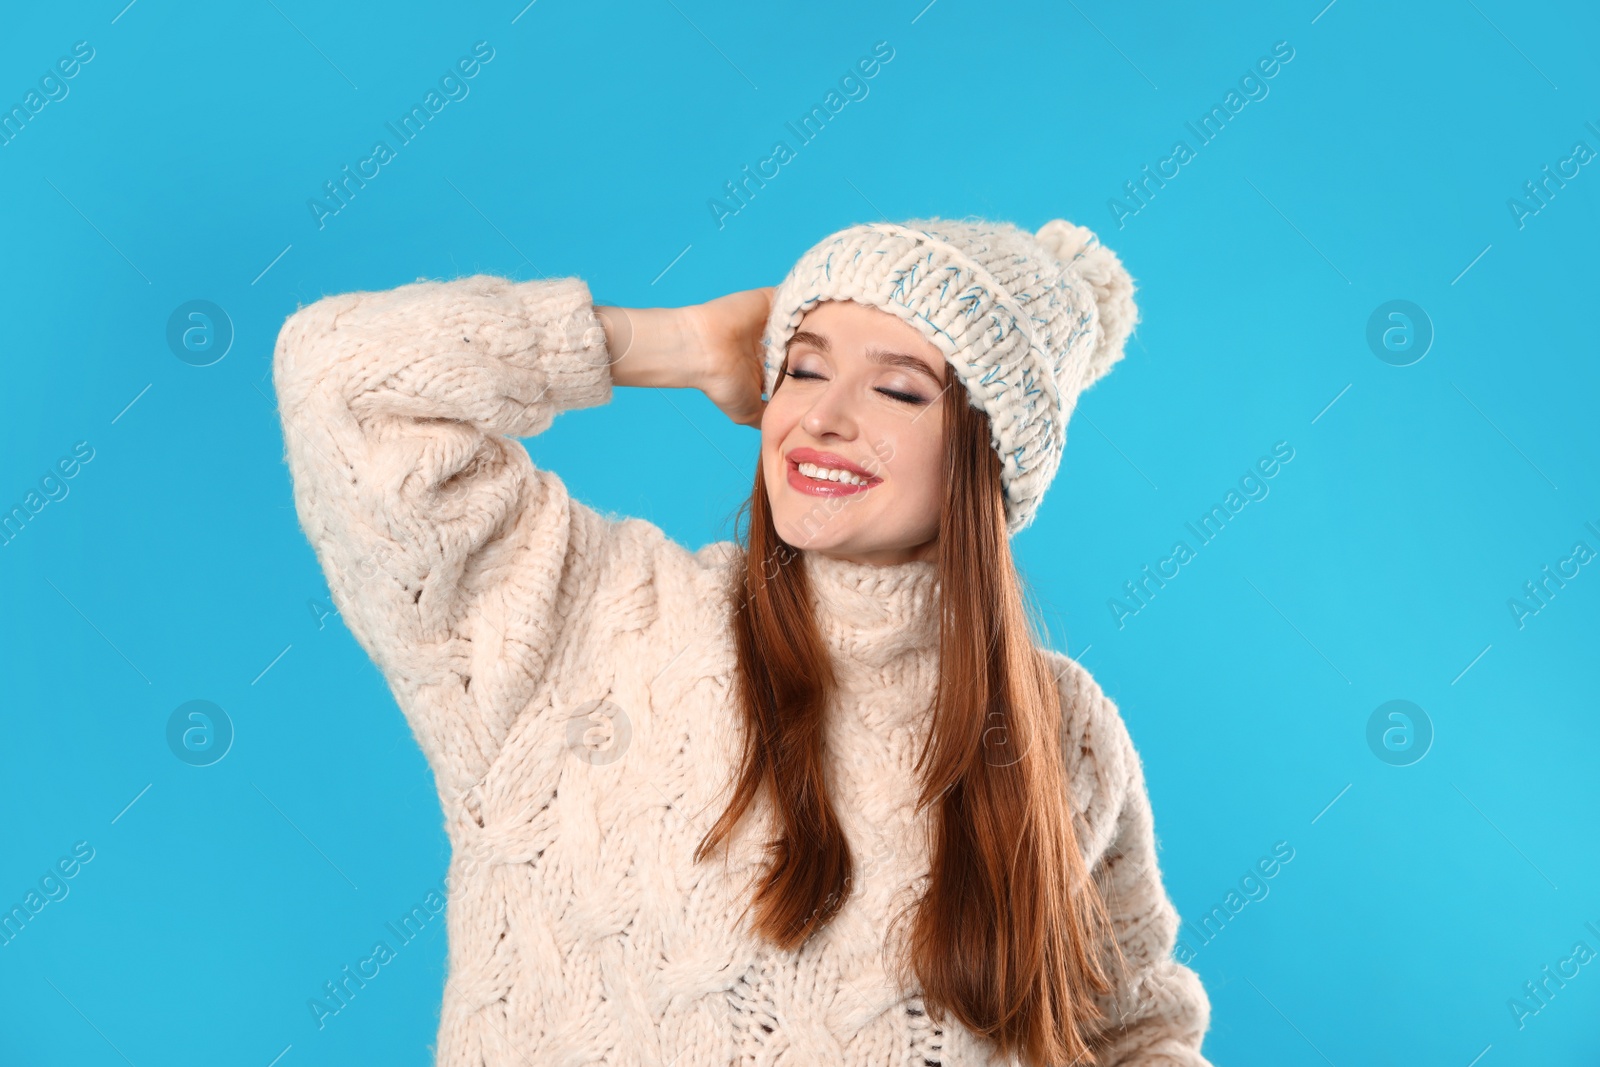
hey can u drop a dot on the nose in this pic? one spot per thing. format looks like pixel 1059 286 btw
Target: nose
pixel 831 412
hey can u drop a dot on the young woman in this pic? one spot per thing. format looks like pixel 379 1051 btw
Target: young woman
pixel 815 798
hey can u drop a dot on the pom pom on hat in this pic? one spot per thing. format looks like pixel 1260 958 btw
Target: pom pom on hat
pixel 1079 248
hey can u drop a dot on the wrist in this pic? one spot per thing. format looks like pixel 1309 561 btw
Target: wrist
pixel 650 347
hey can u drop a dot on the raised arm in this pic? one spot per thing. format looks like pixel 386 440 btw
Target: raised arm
pixel 1158 1012
pixel 462 569
pixel 452 559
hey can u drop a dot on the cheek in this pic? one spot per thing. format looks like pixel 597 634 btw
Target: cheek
pixel 780 414
pixel 917 463
pixel 776 423
pixel 930 477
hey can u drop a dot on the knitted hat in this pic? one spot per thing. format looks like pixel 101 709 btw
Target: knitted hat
pixel 1026 320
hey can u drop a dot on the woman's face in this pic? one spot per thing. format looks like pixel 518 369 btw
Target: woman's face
pixel 864 393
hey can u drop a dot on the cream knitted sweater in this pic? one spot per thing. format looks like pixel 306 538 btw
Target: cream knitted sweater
pixel 568 676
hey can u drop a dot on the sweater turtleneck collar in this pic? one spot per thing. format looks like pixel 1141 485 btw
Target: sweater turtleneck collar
pixel 871 614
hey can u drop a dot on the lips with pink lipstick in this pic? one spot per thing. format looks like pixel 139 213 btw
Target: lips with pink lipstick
pixel 819 483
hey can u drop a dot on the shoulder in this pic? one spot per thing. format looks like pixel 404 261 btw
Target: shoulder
pixel 648 577
pixel 1098 755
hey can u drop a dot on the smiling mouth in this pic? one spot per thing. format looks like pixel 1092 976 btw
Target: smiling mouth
pixel 824 486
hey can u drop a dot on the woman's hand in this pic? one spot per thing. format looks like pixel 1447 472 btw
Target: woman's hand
pixel 727 332
pixel 714 347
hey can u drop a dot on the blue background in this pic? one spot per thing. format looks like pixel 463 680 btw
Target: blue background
pixel 1419 500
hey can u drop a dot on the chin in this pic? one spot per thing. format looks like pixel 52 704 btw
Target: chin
pixel 823 539
pixel 827 522
pixel 841 540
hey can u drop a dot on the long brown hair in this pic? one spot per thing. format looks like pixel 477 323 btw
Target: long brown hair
pixel 1010 933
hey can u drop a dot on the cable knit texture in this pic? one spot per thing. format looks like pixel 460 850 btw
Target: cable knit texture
pixel 570 678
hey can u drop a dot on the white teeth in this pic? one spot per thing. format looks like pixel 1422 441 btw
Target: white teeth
pixel 811 470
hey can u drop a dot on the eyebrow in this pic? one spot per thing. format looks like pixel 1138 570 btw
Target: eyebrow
pixel 874 355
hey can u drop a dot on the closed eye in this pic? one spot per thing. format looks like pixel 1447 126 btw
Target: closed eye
pixel 905 398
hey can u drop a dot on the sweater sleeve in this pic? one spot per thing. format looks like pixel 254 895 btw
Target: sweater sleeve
pixel 1158 1011
pixel 453 560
